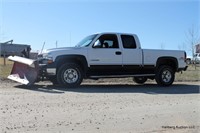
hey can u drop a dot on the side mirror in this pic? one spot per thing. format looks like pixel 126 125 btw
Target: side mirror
pixel 97 44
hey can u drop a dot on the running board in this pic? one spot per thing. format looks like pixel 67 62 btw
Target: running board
pixel 122 76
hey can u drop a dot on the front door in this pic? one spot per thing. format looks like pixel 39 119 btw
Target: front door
pixel 105 55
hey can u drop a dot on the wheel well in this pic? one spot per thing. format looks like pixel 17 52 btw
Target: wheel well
pixel 76 59
pixel 170 61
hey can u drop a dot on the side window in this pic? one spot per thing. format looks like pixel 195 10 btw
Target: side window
pixel 106 41
pixel 128 41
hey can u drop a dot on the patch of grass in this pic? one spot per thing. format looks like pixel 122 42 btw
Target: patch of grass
pixel 191 74
pixel 7 62
pixel 5 70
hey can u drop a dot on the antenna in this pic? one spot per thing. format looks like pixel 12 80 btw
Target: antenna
pixel 70 38
pixel 42 48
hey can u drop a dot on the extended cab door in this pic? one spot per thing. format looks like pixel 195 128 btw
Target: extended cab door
pixel 105 54
pixel 132 54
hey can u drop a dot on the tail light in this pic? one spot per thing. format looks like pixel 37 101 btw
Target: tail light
pixel 185 56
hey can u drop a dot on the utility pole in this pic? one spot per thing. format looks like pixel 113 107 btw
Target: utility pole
pixel 70 38
pixel 56 44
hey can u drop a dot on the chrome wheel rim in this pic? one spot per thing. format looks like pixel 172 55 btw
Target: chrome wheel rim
pixel 70 76
pixel 166 76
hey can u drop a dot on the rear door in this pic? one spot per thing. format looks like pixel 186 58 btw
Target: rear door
pixel 132 56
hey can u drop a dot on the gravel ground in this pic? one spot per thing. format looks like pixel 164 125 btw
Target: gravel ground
pixel 113 107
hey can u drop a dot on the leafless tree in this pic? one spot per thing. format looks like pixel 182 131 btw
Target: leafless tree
pixel 182 47
pixel 192 39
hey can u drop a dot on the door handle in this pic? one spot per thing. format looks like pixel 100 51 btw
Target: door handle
pixel 118 53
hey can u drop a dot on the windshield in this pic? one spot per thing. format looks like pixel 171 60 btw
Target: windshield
pixel 86 41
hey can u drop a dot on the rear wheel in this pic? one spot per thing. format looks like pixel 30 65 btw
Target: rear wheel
pixel 70 75
pixel 165 76
pixel 140 80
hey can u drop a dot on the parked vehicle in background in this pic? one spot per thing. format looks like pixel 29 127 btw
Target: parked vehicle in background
pixel 196 58
pixel 9 48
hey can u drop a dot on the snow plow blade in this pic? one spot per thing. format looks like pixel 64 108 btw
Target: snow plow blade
pixel 24 71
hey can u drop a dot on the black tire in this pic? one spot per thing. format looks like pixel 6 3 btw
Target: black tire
pixel 165 76
pixel 70 75
pixel 140 80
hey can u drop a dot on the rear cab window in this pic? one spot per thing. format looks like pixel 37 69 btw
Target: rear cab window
pixel 128 41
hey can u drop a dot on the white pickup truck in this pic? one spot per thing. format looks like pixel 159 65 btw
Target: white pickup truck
pixel 104 55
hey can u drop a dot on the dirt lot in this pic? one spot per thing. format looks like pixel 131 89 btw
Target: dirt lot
pixel 100 107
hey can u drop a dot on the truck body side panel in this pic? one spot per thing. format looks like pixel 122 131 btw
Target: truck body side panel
pixel 151 56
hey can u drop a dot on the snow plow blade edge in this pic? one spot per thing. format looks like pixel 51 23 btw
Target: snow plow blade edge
pixel 24 70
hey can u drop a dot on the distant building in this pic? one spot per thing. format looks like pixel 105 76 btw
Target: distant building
pixel 197 48
pixel 9 48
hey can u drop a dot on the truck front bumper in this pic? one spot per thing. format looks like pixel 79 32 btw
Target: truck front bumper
pixel 51 71
pixel 46 70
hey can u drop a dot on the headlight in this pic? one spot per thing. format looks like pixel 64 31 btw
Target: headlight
pixel 47 58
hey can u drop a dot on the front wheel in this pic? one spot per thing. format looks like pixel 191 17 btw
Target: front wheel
pixel 140 80
pixel 70 75
pixel 165 76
